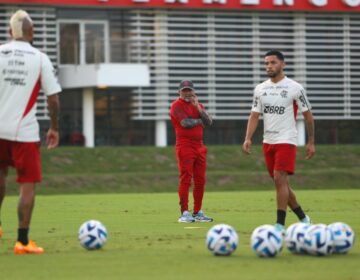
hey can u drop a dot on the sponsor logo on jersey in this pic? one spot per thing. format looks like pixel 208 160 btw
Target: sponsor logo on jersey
pixel 303 99
pixel 271 132
pixel 255 102
pixel 6 53
pixel 268 109
pixel 284 94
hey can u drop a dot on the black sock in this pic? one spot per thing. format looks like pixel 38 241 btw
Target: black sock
pixel 299 212
pixel 281 214
pixel 23 235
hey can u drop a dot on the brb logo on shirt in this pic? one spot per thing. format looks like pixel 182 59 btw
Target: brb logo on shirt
pixel 273 109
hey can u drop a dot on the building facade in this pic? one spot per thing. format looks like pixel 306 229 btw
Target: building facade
pixel 120 63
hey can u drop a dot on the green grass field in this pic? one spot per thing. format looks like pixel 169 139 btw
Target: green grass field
pixel 146 242
pixel 149 169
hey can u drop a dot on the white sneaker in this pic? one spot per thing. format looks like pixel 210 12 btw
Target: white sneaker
pixel 306 220
pixel 186 217
pixel 280 228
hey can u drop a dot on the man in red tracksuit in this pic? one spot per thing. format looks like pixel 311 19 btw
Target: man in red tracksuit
pixel 189 118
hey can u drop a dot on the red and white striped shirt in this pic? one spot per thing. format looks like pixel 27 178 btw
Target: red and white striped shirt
pixel 24 70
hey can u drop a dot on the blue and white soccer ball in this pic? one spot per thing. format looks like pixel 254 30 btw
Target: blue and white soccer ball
pixel 92 235
pixel 222 240
pixel 344 237
pixel 319 240
pixel 295 236
pixel 266 241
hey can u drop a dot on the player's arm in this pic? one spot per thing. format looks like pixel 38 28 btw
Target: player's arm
pixel 310 128
pixel 189 123
pixel 204 116
pixel 251 127
pixel 52 137
pixel 304 104
pixel 51 88
pixel 180 115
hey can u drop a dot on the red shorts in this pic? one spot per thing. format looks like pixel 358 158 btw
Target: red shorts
pixel 280 157
pixel 24 156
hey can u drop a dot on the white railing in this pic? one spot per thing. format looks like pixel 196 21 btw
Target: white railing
pixel 221 51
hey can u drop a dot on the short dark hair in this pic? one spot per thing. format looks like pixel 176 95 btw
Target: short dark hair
pixel 277 53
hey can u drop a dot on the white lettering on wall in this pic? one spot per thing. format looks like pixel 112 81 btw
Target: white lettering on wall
pixel 352 3
pixel 284 2
pixel 141 1
pixel 176 1
pixel 319 3
pixel 250 2
pixel 214 1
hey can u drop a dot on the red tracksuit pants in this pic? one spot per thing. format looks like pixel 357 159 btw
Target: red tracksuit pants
pixel 192 166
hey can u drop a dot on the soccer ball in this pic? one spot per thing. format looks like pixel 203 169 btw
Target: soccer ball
pixel 266 241
pixel 92 235
pixel 344 237
pixel 294 238
pixel 319 240
pixel 222 240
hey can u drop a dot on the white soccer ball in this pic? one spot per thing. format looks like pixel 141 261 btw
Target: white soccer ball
pixel 344 237
pixel 92 235
pixel 319 240
pixel 222 240
pixel 295 236
pixel 266 241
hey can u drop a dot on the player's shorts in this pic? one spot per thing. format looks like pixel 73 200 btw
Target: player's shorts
pixel 280 157
pixel 24 157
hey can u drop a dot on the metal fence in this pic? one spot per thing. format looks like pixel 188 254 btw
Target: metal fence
pixel 222 51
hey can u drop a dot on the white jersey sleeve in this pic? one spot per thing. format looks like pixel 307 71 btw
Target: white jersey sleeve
pixel 49 82
pixel 256 105
pixel 301 100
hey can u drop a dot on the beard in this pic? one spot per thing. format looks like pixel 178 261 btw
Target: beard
pixel 272 74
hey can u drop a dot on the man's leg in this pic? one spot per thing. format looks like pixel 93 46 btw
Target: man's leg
pixel 26 157
pixel 292 199
pixel 282 194
pixel 25 208
pixel 199 178
pixel 199 186
pixel 185 163
pixel 296 208
pixel 3 174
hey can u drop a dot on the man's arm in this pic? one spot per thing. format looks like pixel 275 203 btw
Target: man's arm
pixel 204 116
pixel 52 137
pixel 251 127
pixel 189 123
pixel 310 128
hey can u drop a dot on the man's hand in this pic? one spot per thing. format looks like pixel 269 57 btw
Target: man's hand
pixel 310 151
pixel 194 101
pixel 52 138
pixel 205 117
pixel 246 147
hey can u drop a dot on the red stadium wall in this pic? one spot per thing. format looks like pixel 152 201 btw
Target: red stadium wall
pixel 286 5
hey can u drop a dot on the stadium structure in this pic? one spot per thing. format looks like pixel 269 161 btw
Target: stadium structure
pixel 120 63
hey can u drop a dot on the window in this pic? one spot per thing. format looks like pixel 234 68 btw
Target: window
pixel 83 42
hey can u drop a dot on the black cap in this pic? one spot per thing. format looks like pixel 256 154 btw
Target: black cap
pixel 186 84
